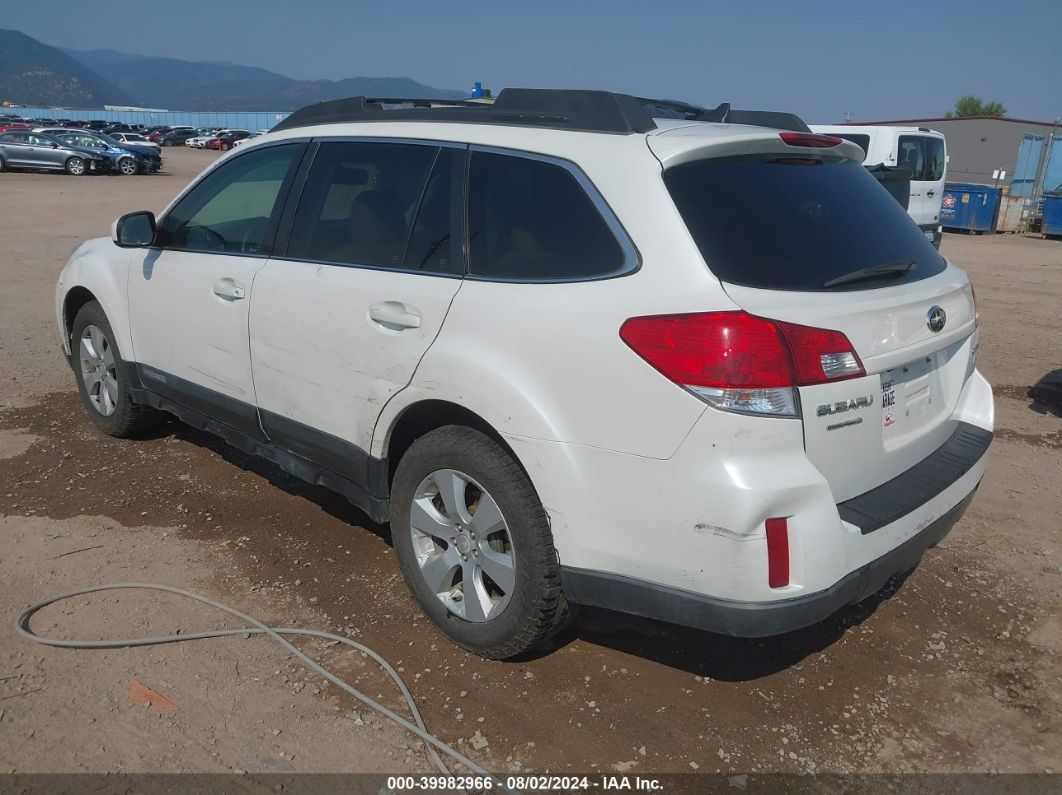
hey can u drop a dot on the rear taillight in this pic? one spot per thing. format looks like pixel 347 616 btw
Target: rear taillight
pixel 810 140
pixel 739 362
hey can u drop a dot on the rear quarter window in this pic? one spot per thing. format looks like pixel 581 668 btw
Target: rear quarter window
pixel 532 220
pixel 787 223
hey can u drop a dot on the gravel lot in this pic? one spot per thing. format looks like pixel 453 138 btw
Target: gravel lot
pixel 955 669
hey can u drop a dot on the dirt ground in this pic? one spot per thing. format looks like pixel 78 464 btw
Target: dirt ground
pixel 955 669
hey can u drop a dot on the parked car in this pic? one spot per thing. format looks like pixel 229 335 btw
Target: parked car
pixel 134 138
pixel 176 136
pixel 31 150
pixel 117 127
pixel 125 158
pixel 95 124
pixel 117 159
pixel 203 136
pixel 224 141
pixel 922 151
pixel 249 138
pixel 709 373
pixel 5 126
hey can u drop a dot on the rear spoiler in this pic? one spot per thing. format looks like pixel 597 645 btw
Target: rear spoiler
pixel 774 120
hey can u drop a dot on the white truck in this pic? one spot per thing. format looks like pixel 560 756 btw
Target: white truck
pixel 919 149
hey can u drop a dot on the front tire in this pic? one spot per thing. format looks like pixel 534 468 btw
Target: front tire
pixel 76 166
pixel 474 544
pixel 127 166
pixel 101 377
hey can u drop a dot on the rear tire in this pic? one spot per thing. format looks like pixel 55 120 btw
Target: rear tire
pixel 515 544
pixel 101 377
pixel 76 167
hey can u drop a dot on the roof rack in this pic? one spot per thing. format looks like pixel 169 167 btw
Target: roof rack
pixel 562 109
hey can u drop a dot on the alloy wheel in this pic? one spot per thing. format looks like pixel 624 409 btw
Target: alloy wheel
pixel 463 546
pixel 98 370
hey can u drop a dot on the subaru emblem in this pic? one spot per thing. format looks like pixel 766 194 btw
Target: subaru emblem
pixel 936 318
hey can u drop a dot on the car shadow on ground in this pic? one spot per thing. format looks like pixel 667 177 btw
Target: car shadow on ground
pixel 707 654
pixel 1046 394
pixel 715 656
pixel 330 502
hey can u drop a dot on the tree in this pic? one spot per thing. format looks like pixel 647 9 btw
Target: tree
pixel 975 106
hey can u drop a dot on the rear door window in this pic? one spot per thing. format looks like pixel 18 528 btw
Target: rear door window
pixel 911 154
pixel 934 170
pixel 785 223
pixel 361 201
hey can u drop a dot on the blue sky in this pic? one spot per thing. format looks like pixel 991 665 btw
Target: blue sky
pixel 892 59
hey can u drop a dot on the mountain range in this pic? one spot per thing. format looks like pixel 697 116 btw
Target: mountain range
pixel 33 73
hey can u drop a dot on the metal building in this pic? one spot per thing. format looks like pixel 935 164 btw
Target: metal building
pixel 981 145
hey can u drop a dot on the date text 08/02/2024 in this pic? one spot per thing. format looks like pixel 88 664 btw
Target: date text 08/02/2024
pixel 525 783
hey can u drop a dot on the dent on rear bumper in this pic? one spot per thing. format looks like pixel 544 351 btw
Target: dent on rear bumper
pixel 694 523
pixel 754 619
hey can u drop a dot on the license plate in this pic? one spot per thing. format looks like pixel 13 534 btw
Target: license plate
pixel 911 396
pixel 929 233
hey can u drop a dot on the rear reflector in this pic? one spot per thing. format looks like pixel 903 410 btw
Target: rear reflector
pixel 810 140
pixel 739 362
pixel 778 552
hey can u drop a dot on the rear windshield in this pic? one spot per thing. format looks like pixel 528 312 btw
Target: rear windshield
pixel 799 224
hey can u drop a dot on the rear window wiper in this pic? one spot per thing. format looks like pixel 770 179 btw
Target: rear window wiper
pixel 897 268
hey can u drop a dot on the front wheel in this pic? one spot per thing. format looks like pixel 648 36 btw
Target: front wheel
pixel 474 544
pixel 101 379
pixel 75 166
pixel 127 166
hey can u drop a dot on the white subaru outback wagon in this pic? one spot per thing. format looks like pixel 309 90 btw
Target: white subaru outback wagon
pixel 578 348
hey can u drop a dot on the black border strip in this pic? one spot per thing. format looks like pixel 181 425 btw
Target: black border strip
pixel 916 486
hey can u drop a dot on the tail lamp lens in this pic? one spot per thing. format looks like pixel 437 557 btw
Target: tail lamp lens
pixel 739 362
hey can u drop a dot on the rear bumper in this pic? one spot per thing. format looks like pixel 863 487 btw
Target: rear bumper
pixel 754 619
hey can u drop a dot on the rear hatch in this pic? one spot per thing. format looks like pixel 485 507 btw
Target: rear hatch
pixel 803 234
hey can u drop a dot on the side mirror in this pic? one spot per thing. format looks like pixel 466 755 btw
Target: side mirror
pixel 134 230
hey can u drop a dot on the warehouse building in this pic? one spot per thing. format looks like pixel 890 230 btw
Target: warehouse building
pixel 979 146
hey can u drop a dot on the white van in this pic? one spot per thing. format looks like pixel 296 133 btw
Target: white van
pixel 918 148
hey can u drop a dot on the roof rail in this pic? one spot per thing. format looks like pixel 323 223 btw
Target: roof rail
pixel 561 109
pixel 588 111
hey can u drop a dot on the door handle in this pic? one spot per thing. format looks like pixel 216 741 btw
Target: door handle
pixel 394 315
pixel 931 193
pixel 229 290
